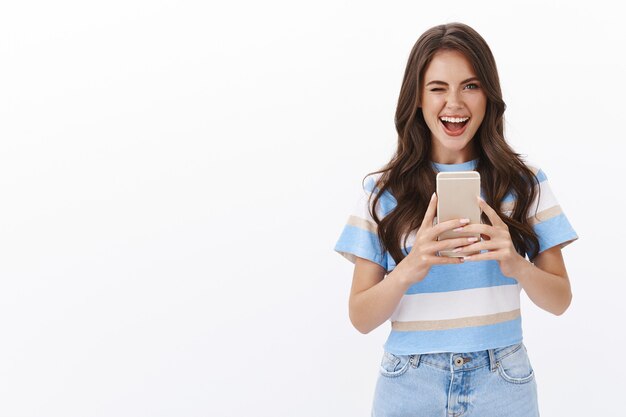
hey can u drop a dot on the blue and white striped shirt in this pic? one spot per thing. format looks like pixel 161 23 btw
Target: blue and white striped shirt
pixel 455 308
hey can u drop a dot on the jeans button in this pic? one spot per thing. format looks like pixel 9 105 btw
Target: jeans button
pixel 458 361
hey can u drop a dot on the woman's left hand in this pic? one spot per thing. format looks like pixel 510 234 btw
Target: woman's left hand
pixel 497 241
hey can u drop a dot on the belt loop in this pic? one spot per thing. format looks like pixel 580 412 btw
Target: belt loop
pixel 415 360
pixel 492 360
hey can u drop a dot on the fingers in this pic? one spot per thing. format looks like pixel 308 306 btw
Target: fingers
pixel 491 213
pixel 453 243
pixel 483 229
pixel 489 245
pixel 449 225
pixel 485 256
pixel 431 210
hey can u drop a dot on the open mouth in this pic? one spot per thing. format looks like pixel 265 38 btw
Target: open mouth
pixel 454 126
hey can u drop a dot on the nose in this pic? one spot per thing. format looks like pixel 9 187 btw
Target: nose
pixel 453 99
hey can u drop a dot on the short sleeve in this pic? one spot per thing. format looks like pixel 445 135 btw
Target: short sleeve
pixel 547 217
pixel 359 236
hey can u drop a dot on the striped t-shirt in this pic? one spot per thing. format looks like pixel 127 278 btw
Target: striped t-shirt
pixel 455 308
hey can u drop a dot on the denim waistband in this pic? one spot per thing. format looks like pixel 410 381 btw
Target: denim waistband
pixel 465 361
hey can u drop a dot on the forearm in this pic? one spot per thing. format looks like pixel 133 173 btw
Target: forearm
pixel 372 307
pixel 548 291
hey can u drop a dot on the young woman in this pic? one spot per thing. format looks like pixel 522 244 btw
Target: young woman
pixel 455 346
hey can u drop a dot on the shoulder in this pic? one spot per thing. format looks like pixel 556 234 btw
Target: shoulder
pixel 539 174
pixel 538 182
pixel 371 186
pixel 371 183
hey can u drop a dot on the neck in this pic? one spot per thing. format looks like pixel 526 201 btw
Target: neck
pixel 453 157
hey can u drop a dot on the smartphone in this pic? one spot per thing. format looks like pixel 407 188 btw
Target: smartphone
pixel 456 199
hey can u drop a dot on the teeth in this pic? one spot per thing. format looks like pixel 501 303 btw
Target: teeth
pixel 454 119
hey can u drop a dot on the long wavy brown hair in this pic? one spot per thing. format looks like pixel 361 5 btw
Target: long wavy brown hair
pixel 410 176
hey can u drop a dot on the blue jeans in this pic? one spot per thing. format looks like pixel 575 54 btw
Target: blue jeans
pixel 489 383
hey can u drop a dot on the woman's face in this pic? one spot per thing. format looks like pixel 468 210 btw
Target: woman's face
pixel 453 104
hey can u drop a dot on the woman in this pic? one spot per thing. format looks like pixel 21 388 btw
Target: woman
pixel 456 339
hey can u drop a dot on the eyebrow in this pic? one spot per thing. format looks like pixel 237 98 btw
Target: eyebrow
pixel 445 83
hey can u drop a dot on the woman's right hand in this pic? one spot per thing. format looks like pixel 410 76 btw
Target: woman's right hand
pixel 424 252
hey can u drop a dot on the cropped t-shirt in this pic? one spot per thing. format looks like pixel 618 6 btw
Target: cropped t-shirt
pixel 460 307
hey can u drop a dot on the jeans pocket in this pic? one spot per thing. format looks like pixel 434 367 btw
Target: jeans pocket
pixel 515 366
pixel 394 365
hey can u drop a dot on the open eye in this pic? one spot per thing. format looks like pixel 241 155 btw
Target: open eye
pixel 472 86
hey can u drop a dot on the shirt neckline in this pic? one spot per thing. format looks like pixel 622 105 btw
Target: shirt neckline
pixel 463 166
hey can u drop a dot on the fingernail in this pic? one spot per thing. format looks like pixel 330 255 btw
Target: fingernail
pixel 464 220
pixel 466 258
pixel 433 196
pixel 472 239
pixel 457 250
pixel 458 229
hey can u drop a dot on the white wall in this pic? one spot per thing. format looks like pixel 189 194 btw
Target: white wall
pixel 174 176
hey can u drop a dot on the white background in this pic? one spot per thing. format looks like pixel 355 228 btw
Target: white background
pixel 174 176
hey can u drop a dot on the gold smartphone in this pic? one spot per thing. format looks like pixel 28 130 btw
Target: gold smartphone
pixel 456 199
